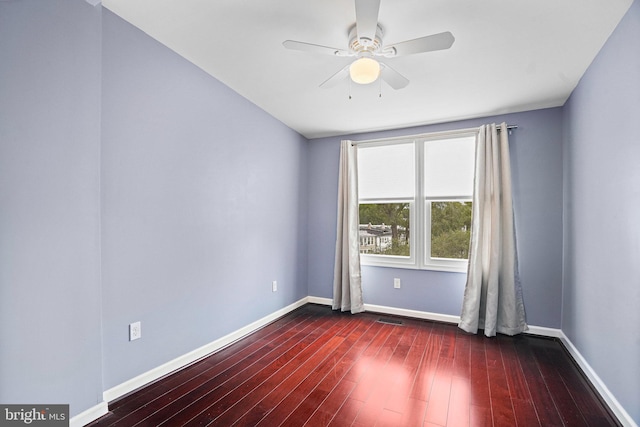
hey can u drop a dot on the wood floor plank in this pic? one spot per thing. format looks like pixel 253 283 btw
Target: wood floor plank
pixel 396 359
pixel 366 359
pixel 300 404
pixel 393 377
pixel 282 404
pixel 448 345
pixel 426 371
pixel 269 379
pixel 523 409
pixel 462 357
pixel 317 367
pixel 273 399
pixel 525 413
pixel 347 413
pixel 379 366
pixel 387 377
pixel 400 392
pixel 189 405
pixel 515 376
pixel 459 403
pixel 388 419
pixel 331 404
pixel 351 358
pixel 321 389
pixel 413 414
pixel 480 416
pixel 335 384
pixel 480 396
pixel 438 405
pixel 567 408
pixel 590 405
pixel 501 404
pixel 540 395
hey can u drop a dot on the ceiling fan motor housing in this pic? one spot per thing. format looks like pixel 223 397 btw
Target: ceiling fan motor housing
pixel 365 45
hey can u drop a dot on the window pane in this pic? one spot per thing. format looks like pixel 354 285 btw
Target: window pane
pixel 384 229
pixel 448 167
pixel 386 171
pixel 450 229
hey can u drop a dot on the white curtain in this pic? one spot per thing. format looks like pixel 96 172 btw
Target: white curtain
pixel 493 294
pixel 347 283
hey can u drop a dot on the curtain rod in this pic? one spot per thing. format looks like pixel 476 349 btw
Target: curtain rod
pixel 430 135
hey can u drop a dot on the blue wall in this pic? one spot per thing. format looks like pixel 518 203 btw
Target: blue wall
pixel 203 205
pixel 50 337
pixel 536 158
pixel 601 301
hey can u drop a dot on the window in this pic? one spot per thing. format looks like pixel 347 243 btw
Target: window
pixel 415 201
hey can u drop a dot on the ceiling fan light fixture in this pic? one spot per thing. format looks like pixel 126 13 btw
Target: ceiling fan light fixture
pixel 364 70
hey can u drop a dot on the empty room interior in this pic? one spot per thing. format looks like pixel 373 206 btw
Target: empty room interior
pixel 170 175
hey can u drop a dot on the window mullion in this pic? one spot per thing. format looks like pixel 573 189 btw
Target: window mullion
pixel 419 222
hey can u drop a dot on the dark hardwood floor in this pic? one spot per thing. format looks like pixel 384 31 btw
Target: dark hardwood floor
pixel 316 367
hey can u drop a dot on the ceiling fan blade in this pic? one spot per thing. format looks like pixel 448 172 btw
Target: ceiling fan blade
pixel 393 78
pixel 367 19
pixel 336 78
pixel 314 48
pixel 430 43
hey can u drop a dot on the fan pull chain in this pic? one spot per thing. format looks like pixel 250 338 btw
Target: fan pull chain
pixel 379 87
pixel 349 88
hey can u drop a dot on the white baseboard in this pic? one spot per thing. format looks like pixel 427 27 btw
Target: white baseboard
pixel 603 390
pixel 543 331
pixel 91 414
pixel 425 315
pixel 395 311
pixel 188 358
pixel 320 300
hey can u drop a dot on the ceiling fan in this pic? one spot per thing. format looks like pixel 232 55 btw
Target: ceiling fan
pixel 365 44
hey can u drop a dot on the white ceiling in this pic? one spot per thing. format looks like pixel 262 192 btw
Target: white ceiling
pixel 508 56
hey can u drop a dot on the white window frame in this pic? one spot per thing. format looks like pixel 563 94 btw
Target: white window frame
pixel 420 232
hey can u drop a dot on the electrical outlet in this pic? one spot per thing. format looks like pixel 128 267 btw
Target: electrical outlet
pixel 274 286
pixel 396 283
pixel 135 331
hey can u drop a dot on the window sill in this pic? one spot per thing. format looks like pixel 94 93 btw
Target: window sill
pixel 408 265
